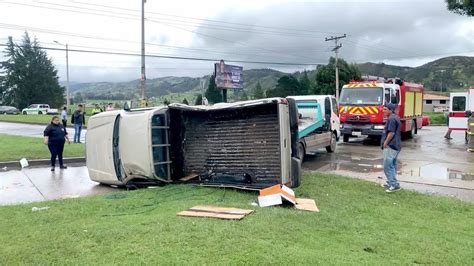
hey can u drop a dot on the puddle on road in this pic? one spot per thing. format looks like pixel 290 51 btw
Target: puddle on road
pixel 439 172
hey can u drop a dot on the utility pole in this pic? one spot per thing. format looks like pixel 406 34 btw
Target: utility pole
pixel 336 50
pixel 143 76
pixel 441 89
pixel 67 75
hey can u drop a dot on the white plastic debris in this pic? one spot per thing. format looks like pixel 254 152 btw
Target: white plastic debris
pixel 5 168
pixel 24 163
pixel 38 209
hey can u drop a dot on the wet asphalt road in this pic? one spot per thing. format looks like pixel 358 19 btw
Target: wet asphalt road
pixel 427 164
pixel 29 130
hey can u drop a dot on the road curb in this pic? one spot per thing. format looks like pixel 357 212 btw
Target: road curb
pixel 40 162
pixel 36 123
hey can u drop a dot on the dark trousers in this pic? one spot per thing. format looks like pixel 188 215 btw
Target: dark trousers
pixel 56 149
pixel 64 123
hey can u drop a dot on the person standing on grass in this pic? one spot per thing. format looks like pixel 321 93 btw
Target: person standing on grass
pixel 64 116
pixel 55 135
pixel 78 119
pixel 391 145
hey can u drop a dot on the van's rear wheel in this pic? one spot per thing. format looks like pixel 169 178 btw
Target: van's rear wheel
pixel 40 113
pixel 24 112
pixel 332 146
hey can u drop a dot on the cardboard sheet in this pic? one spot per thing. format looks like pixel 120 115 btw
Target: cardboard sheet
pixel 306 205
pixel 215 212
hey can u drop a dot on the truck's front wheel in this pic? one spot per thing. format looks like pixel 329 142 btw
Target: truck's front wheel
pixel 345 138
pixel 332 146
pixel 301 151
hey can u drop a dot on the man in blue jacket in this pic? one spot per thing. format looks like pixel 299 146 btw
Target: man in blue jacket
pixel 391 145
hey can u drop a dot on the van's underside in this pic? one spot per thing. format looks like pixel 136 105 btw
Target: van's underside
pixel 227 147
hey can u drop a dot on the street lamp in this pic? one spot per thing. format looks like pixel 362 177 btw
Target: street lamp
pixel 67 74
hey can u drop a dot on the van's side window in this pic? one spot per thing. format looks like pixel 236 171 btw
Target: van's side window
pixel 335 109
pixel 459 104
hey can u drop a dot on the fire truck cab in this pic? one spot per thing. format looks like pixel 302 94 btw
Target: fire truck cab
pixel 361 105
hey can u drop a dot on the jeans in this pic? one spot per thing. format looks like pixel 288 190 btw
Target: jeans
pixel 77 133
pixel 64 123
pixel 56 149
pixel 390 166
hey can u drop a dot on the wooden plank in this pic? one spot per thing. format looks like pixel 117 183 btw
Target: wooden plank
pixel 216 212
pixel 188 177
pixel 306 205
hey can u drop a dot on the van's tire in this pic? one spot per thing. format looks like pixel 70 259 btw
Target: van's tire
pixel 332 146
pixel 345 138
pixel 40 113
pixel 295 172
pixel 24 113
pixel 301 152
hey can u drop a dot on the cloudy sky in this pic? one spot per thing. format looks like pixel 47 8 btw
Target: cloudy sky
pixel 259 33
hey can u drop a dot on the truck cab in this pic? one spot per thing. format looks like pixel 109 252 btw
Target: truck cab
pixel 459 103
pixel 247 145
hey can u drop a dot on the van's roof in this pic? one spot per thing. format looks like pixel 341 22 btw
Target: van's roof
pixel 310 97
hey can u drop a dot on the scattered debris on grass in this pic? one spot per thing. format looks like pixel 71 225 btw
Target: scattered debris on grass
pixel 216 212
pixel 278 194
pixel 38 209
pixel 24 163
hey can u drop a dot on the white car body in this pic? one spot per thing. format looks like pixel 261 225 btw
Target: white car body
pixel 39 109
pixel 165 144
pixel 459 103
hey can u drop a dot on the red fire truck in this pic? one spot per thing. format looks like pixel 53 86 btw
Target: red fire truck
pixel 361 105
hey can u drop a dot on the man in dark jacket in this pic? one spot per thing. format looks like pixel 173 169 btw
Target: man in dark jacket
pixel 391 145
pixel 78 119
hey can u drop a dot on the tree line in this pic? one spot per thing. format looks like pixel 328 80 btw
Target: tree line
pixel 323 82
pixel 28 75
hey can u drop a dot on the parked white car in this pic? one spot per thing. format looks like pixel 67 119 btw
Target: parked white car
pixel 39 109
pixel 250 145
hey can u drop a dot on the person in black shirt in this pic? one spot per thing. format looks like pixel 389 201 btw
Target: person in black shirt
pixel 55 135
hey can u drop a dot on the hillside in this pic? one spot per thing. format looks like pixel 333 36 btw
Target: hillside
pixel 163 86
pixel 449 72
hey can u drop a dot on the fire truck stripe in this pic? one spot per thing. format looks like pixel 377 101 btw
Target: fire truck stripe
pixel 369 110
pixel 362 109
pixel 376 110
pixel 341 109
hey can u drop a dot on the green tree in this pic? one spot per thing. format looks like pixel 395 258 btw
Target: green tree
pixel 286 86
pixel 29 76
pixel 326 76
pixel 243 96
pixel 185 101
pixel 198 100
pixel 305 84
pixel 461 7
pixel 166 102
pixel 213 94
pixel 258 93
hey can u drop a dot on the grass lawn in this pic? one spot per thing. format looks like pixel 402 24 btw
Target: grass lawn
pixel 32 119
pixel 358 224
pixel 436 118
pixel 14 148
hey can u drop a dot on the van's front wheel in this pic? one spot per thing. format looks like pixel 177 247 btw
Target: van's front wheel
pixel 301 151
pixel 332 146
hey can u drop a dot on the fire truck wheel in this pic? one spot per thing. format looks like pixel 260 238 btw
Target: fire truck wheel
pixel 412 132
pixel 345 138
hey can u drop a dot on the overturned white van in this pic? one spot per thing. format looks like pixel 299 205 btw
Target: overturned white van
pixel 250 145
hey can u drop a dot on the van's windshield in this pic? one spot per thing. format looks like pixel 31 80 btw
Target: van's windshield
pixel 361 95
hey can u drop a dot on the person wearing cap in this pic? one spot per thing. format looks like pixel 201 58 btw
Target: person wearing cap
pixel 391 146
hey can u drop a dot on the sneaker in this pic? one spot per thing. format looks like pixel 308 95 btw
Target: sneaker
pixel 392 189
pixel 63 167
pixel 52 169
pixel 385 185
pixel 448 137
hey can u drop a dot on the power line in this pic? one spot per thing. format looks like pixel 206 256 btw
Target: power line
pixel 177 57
pixel 336 50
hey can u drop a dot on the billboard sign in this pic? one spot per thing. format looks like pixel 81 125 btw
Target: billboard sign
pixel 228 76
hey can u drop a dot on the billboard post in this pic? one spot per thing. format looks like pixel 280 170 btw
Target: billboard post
pixel 228 77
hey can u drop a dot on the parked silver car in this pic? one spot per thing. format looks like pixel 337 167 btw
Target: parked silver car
pixel 9 110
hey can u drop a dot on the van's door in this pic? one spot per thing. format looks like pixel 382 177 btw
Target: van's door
pixel 457 107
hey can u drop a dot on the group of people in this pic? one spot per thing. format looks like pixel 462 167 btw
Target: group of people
pixel 56 135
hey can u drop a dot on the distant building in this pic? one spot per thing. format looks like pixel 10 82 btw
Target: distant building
pixel 435 103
